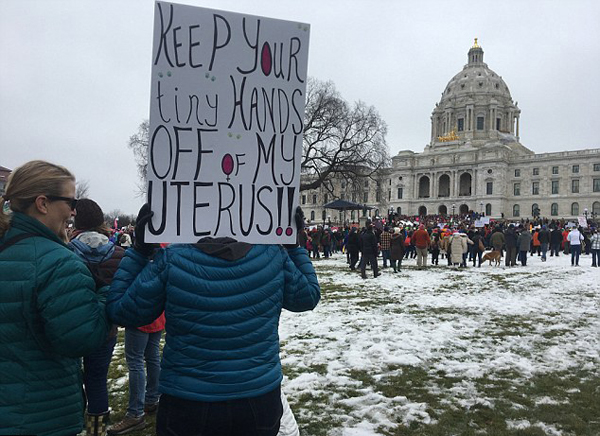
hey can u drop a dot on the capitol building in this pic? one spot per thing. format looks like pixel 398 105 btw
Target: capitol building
pixel 474 162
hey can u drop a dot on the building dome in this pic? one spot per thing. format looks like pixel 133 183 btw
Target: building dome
pixel 475 105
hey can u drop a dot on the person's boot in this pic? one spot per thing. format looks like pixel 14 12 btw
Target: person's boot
pixel 96 424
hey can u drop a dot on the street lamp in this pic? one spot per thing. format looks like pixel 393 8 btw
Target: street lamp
pixel 585 213
pixel 481 206
pixel 453 208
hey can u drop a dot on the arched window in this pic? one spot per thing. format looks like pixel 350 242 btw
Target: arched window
pixel 488 209
pixel 312 215
pixel 516 210
pixel 596 207
pixel 554 209
pixel 352 215
pixel 424 187
pixel 534 209
pixel 575 209
pixel 444 186
pixel 399 210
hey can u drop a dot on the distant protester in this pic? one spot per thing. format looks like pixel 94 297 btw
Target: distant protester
pixel 90 241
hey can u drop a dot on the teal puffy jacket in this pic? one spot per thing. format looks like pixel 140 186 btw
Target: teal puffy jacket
pixel 50 315
pixel 222 316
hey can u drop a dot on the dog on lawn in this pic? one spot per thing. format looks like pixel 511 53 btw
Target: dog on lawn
pixel 494 256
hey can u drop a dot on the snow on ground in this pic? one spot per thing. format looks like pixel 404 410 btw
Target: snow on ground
pixel 461 323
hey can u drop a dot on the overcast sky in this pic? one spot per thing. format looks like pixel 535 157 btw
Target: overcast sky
pixel 75 76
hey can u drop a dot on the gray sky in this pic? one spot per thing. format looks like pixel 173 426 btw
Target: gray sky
pixel 75 76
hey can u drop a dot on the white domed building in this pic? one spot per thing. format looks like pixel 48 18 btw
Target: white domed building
pixel 475 162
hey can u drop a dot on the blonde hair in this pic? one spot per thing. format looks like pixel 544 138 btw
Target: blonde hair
pixel 34 178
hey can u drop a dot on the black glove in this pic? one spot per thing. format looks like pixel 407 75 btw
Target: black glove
pixel 299 221
pixel 143 218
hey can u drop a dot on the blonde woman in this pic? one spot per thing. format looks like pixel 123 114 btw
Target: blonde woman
pixel 51 312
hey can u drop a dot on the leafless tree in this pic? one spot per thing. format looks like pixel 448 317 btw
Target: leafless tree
pixel 82 188
pixel 138 143
pixel 340 140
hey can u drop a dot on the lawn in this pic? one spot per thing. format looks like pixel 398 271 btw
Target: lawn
pixel 440 351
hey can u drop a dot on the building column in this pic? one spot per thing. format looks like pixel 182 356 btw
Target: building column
pixel 518 126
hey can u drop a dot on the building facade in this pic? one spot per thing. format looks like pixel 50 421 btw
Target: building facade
pixel 475 162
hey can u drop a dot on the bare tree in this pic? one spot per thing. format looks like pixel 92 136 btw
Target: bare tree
pixel 82 188
pixel 139 145
pixel 340 140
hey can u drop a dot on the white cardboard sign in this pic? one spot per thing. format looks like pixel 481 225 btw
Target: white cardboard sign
pixel 226 121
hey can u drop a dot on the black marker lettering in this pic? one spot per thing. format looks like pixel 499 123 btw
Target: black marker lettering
pixel 251 45
pixel 225 208
pixel 163 209
pixel 163 44
pixel 216 45
pixel 178 148
pixel 192 45
pixel 293 54
pixel 268 155
pixel 198 205
pixel 152 147
pixel 244 231
pixel 260 231
pixel 179 185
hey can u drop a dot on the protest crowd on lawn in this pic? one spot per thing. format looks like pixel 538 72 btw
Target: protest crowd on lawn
pixel 456 241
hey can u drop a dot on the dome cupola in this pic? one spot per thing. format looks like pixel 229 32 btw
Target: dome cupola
pixel 476 106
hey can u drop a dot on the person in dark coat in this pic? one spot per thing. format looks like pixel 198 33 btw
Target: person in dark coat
pixel 353 243
pixel 544 238
pixel 90 241
pixel 368 243
pixel 556 239
pixel 396 249
pixel 510 240
pixel 477 237
pixel 523 244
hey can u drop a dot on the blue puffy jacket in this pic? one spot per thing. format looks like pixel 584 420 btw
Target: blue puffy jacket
pixel 222 303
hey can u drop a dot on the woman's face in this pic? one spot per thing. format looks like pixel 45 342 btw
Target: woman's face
pixel 59 211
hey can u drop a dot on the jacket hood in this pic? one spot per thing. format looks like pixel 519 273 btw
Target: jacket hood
pixel 223 248
pixel 93 246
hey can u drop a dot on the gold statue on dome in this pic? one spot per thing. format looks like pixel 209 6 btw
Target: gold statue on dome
pixel 475 45
pixel 452 136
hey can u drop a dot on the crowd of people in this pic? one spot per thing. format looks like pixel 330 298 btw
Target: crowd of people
pixel 459 242
pixel 68 282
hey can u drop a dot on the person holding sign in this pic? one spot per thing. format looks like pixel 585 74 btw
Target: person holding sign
pixel 52 313
pixel 222 298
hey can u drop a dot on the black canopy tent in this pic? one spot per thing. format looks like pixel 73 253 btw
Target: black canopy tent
pixel 344 205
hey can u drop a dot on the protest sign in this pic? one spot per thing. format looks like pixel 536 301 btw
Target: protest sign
pixel 226 122
pixel 582 221
pixel 480 223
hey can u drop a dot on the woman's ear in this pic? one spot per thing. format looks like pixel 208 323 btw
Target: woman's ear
pixel 41 204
